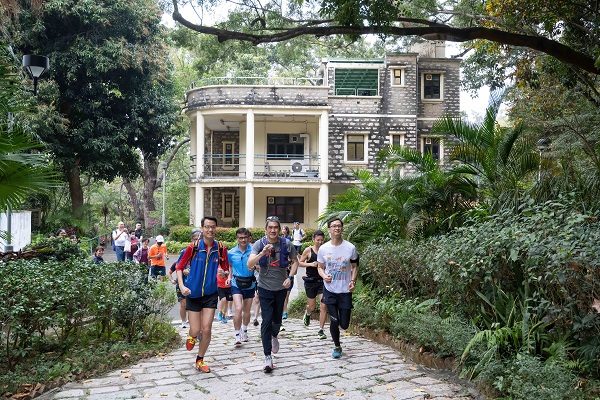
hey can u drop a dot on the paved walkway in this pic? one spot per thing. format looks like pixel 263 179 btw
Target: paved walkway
pixel 304 369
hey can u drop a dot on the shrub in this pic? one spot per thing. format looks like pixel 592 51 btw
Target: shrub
pixel 57 248
pixel 180 233
pixel 528 378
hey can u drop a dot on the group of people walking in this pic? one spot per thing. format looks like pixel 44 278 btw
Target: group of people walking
pixel 266 267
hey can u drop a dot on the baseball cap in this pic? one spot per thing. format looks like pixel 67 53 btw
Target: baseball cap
pixel 296 223
pixel 160 239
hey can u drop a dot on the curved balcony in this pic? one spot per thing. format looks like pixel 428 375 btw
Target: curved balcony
pixel 210 92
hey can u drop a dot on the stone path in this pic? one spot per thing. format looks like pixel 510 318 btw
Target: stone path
pixel 304 369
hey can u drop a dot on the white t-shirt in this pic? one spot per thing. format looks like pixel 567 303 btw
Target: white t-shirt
pixel 120 241
pixel 297 237
pixel 337 260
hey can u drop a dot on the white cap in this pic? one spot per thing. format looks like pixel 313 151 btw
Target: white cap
pixel 160 239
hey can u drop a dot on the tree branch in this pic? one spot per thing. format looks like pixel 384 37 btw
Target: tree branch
pixel 430 31
pixel 169 160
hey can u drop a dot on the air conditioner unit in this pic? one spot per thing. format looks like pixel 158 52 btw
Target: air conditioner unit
pixel 298 167
pixel 294 138
pixel 428 140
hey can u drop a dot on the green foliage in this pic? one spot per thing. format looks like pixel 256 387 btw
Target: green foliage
pixel 411 320
pixel 23 170
pixel 58 303
pixel 398 206
pixel 57 249
pixel 180 233
pixel 526 377
pixel 499 158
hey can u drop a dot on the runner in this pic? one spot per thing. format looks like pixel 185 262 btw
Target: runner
pixel 313 283
pixel 271 255
pixel 243 285
pixel 338 266
pixel 207 258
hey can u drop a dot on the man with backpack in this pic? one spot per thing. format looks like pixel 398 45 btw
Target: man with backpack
pixel 207 258
pixel 271 255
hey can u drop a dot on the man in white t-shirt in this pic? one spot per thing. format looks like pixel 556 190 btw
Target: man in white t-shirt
pixel 298 235
pixel 338 266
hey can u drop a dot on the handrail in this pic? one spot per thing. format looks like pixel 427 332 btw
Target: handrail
pixel 258 80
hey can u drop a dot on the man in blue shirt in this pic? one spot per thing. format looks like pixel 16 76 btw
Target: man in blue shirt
pixel 243 285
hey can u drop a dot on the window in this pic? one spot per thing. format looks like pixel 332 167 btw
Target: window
pixel 432 145
pixel 228 151
pixel 355 148
pixel 356 82
pixel 284 146
pixel 431 86
pixel 228 205
pixel 397 76
pixel 287 209
pixel 397 139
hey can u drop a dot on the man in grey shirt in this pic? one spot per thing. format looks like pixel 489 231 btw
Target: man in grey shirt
pixel 271 255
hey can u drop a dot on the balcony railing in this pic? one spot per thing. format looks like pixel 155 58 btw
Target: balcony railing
pixel 257 81
pixel 266 166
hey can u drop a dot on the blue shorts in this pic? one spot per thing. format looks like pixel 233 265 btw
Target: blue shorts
pixel 246 293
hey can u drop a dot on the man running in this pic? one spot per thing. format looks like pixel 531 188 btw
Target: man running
pixel 243 285
pixel 313 283
pixel 208 258
pixel 271 255
pixel 338 266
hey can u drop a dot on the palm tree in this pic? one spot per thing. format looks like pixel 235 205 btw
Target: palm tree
pixel 399 206
pixel 23 172
pixel 500 158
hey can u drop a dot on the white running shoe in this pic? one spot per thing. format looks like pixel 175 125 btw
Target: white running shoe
pixel 238 340
pixel 274 345
pixel 244 336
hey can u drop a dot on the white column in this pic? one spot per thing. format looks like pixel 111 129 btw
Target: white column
pixel 199 206
pixel 323 197
pixel 324 148
pixel 199 145
pixel 250 150
pixel 249 211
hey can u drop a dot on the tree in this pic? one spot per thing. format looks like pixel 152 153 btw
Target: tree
pixel 108 62
pixel 499 158
pixel 567 31
pixel 23 169
pixel 396 205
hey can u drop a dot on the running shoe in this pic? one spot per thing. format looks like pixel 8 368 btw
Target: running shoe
pixel 244 336
pixel 321 334
pixel 281 328
pixel 220 316
pixel 274 345
pixel 190 343
pixel 337 352
pixel 255 323
pixel 306 319
pixel 202 367
pixel 284 315
pixel 184 324
pixel 223 320
pixel 268 364
pixel 238 339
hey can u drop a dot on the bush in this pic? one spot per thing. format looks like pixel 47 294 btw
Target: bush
pixel 67 298
pixel 529 378
pixel 56 249
pixel 180 233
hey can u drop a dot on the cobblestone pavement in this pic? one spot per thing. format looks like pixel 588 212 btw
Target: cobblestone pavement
pixel 304 369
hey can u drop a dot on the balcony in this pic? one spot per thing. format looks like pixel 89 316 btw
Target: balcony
pixel 266 167
pixel 249 90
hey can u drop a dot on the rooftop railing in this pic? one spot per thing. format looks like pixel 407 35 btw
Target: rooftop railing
pixel 257 81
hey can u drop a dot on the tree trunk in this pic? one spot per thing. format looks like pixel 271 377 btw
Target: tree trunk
pixel 135 201
pixel 150 171
pixel 75 189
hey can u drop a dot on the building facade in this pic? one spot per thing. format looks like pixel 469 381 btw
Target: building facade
pixel 284 147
